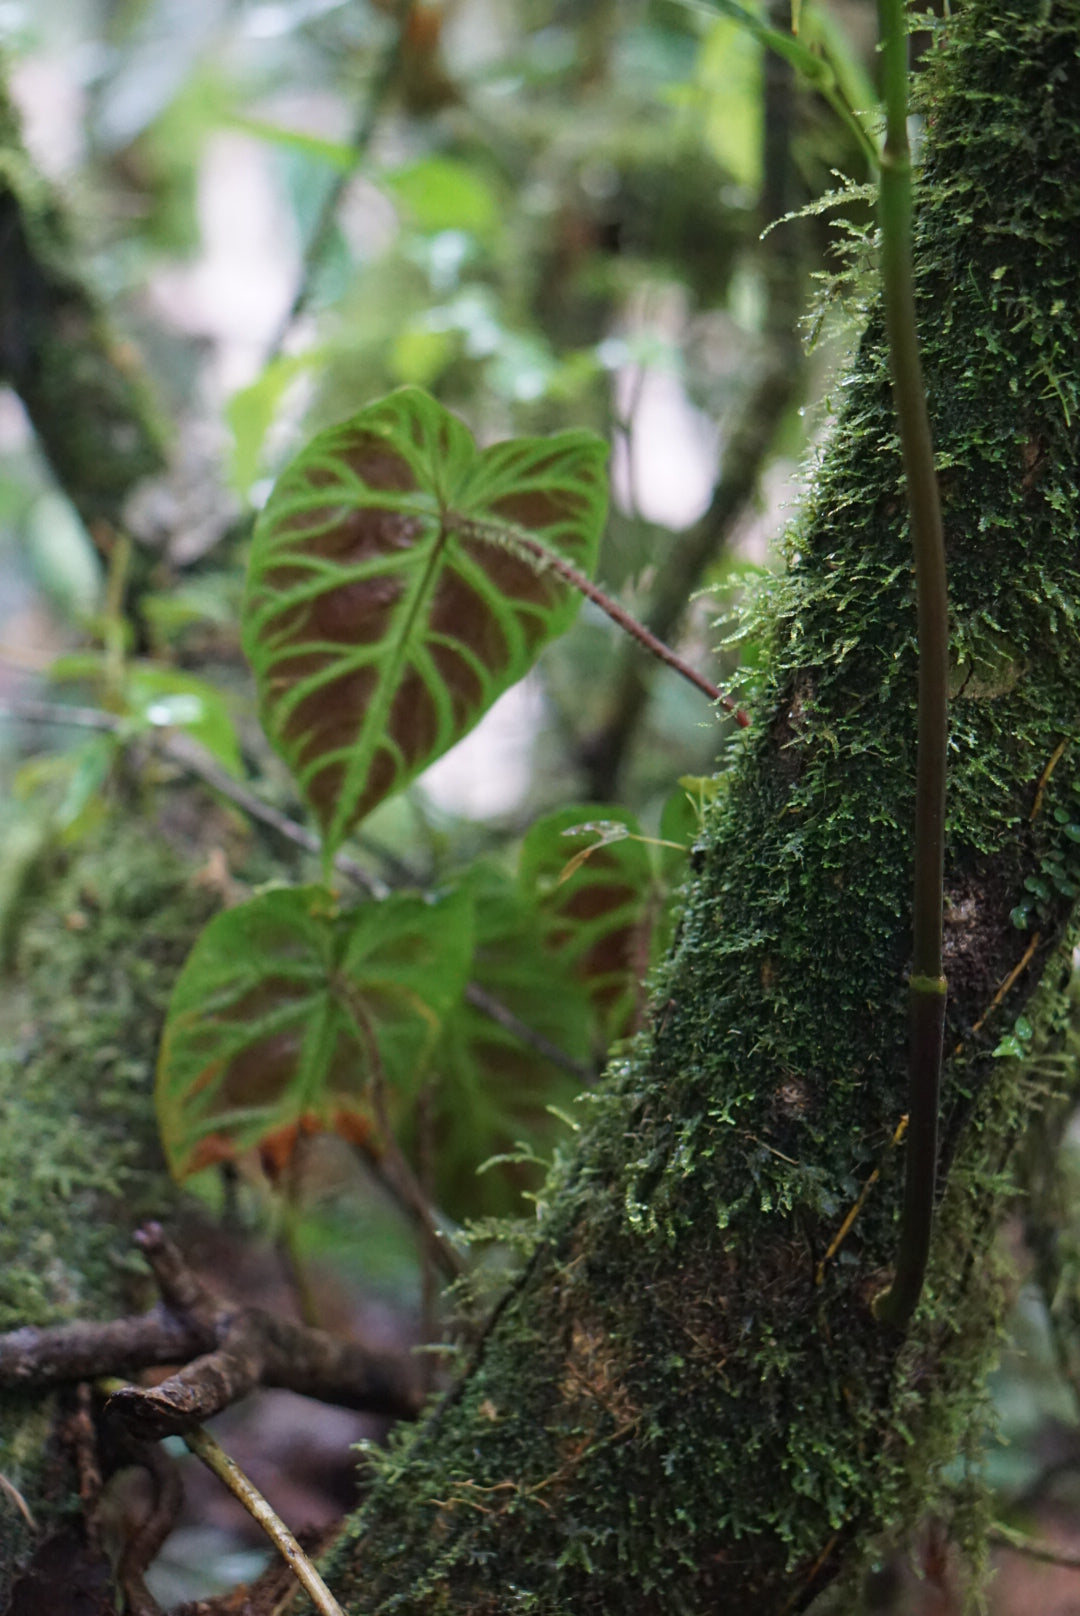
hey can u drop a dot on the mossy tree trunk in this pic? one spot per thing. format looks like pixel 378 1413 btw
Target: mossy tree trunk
pixel 668 1413
pixel 90 408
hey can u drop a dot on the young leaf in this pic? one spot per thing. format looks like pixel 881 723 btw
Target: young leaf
pixel 599 918
pixel 493 1089
pixel 168 696
pixel 286 1010
pixel 383 615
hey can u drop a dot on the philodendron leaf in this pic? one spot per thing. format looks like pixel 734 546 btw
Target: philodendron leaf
pixel 387 604
pixel 492 1088
pixel 287 1010
pixel 596 911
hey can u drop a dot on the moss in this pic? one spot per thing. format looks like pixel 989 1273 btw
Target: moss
pixel 79 1160
pixel 83 389
pixel 669 1414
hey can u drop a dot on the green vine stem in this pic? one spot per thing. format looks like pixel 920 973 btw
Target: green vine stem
pixel 927 986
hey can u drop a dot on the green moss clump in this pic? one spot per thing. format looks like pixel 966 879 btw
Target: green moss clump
pixel 80 1165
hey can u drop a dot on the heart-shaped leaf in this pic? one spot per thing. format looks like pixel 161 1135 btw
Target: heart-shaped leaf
pixel 493 1086
pixel 287 1010
pixel 596 910
pixel 390 599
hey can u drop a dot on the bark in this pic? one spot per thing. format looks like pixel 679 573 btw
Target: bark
pixel 668 1413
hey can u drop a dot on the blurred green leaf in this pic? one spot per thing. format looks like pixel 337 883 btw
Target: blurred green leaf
pixel 169 697
pixel 596 914
pixel 420 353
pixel 729 80
pixel 337 154
pixel 251 413
pixel 212 600
pixel 162 697
pixel 62 555
pixel 493 1088
pixel 441 193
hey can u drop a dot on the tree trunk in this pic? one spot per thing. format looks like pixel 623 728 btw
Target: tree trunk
pixel 685 1404
pixel 670 1413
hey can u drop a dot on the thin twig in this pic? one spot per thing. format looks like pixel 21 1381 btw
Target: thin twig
pixel 185 751
pixel 522 543
pixel 1044 779
pixel 1008 1537
pixel 1016 972
pixel 853 1211
pixel 496 1011
pixel 56 712
pixel 214 1457
pixel 9 1489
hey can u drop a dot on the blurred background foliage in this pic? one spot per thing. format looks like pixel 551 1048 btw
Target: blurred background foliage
pixel 550 214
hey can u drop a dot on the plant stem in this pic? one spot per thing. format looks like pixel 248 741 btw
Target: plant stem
pixel 545 560
pixel 214 1457
pixel 1034 1548
pixel 927 986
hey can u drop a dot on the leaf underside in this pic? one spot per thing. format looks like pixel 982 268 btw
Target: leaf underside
pixel 387 607
pixel 491 1089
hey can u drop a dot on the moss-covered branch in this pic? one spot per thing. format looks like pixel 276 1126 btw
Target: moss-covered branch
pixel 80 385
pixel 80 1163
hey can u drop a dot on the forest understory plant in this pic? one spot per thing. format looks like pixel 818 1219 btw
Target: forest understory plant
pixel 685 1400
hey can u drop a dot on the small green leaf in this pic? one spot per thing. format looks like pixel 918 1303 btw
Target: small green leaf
pixel 1009 1046
pixel 62 554
pixel 1023 1029
pixel 82 802
pixel 1073 832
pixel 251 413
pixel 167 697
pixel 442 193
pixel 388 603
pixel 681 820
pixel 1019 916
pixel 285 1010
